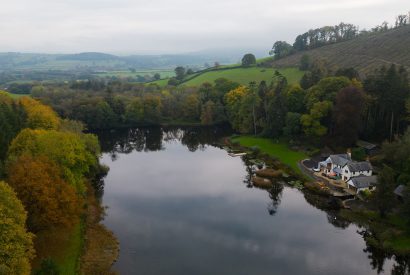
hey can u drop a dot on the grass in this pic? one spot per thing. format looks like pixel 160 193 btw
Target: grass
pixel 69 263
pixel 124 74
pixel 240 75
pixel 63 245
pixel 246 75
pixel 279 150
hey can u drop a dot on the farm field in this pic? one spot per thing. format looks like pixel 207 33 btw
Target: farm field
pixel 246 75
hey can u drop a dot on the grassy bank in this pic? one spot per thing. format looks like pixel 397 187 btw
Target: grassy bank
pixel 279 150
pixel 63 245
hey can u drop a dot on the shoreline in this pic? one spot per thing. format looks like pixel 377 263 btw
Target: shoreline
pixel 388 235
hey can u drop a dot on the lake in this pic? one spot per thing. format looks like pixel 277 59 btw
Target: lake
pixel 180 205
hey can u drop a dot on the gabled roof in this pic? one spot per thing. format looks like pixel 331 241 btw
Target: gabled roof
pixel 359 166
pixel 341 159
pixel 399 191
pixel 337 170
pixel 365 144
pixel 363 181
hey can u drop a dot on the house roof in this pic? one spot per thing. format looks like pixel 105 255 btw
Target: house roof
pixel 399 191
pixel 363 181
pixel 337 170
pixel 365 144
pixel 341 159
pixel 359 166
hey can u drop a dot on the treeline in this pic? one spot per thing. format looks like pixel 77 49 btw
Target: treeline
pixel 121 105
pixel 326 35
pixel 46 162
pixel 327 106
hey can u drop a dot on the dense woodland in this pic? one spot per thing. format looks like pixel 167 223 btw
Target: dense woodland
pixel 46 163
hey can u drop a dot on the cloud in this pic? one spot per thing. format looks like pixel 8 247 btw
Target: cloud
pixel 159 26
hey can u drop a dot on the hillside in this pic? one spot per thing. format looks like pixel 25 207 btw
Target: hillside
pixel 364 53
pixel 245 75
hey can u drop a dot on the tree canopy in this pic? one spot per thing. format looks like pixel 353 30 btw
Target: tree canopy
pixel 16 244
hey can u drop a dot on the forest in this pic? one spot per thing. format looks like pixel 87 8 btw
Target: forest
pixel 335 107
pixel 47 166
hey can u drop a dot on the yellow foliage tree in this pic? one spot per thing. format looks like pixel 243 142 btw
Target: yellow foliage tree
pixel 74 154
pixel 16 244
pixel 39 116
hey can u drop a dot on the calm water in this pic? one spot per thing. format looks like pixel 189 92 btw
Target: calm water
pixel 180 205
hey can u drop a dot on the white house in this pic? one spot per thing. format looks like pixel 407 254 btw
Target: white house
pixel 362 183
pixel 343 166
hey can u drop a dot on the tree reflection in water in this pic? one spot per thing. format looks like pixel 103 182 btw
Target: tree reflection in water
pixel 125 141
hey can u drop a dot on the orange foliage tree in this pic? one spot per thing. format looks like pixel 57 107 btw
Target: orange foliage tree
pixel 49 200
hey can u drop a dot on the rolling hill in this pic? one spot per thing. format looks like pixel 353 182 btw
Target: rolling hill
pixel 245 75
pixel 365 53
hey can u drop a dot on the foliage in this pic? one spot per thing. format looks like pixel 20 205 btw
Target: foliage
pixel 39 116
pixel 49 200
pixel 384 195
pixel 248 59
pixel 388 88
pixel 16 245
pixel 347 115
pixel 48 267
pixel 73 154
pixel 305 62
pixel 281 49
pixel 312 123
pixel 12 118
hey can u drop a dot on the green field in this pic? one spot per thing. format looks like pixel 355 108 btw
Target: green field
pixel 246 75
pixel 279 150
pixel 163 73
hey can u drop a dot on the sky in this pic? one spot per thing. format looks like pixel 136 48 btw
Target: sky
pixel 175 26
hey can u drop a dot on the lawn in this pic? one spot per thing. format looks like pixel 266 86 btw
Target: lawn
pixel 246 75
pixel 279 150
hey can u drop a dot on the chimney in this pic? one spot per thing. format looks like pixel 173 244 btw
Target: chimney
pixel 349 153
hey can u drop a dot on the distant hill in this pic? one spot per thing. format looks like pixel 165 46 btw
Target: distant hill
pixel 95 61
pixel 90 56
pixel 365 53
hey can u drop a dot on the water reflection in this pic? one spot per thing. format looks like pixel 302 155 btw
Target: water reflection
pixel 180 206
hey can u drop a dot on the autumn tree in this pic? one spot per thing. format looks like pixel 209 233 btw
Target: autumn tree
pixel 74 154
pixel 39 116
pixel 190 107
pixel 16 244
pixel 49 200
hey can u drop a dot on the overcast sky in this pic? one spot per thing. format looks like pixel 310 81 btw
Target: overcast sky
pixel 175 26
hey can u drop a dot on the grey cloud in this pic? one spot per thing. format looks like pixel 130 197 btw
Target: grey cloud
pixel 163 26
